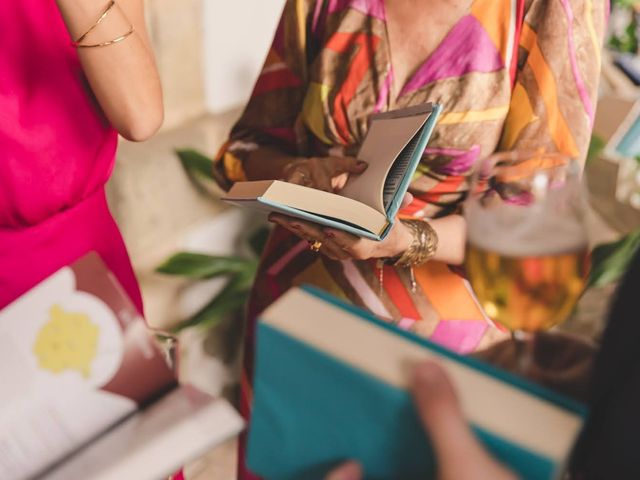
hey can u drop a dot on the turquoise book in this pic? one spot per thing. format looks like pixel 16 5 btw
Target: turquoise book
pixel 331 384
pixel 368 204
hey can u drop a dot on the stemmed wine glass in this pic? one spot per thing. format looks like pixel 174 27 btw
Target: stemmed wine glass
pixel 527 244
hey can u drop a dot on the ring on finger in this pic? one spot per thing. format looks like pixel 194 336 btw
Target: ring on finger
pixel 315 246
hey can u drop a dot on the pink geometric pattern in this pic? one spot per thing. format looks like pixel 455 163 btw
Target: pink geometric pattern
pixel 453 58
pixel 461 336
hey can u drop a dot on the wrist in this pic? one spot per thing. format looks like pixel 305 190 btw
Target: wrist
pixel 404 239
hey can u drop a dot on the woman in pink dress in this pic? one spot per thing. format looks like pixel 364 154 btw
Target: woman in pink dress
pixel 73 74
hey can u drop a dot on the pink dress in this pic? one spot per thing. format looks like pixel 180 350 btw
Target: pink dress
pixel 56 153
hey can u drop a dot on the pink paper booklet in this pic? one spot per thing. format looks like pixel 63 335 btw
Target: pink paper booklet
pixel 76 360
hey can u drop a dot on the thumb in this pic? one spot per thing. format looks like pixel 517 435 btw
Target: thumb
pixel 437 405
pixel 451 438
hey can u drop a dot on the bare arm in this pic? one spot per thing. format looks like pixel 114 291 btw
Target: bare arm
pixel 122 76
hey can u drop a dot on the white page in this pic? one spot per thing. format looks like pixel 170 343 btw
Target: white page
pixel 156 442
pixel 44 414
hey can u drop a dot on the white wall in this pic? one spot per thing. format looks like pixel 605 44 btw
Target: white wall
pixel 237 35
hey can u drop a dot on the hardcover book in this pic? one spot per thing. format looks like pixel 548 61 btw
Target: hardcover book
pixel 86 391
pixel 367 206
pixel 331 384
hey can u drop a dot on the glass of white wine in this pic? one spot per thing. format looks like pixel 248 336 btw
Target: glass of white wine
pixel 527 244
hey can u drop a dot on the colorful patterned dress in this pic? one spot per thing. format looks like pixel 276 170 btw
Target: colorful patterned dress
pixel 510 74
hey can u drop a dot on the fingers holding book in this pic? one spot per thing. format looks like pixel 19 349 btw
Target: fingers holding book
pixel 313 234
pixel 324 173
pixel 438 408
pixel 339 245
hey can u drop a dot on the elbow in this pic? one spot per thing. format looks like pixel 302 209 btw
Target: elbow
pixel 142 127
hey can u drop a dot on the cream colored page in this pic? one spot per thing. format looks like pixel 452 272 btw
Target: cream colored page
pixel 384 142
pixel 487 402
pixel 309 200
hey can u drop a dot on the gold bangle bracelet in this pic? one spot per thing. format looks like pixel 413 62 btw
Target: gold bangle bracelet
pixel 104 15
pixel 110 42
pixel 424 244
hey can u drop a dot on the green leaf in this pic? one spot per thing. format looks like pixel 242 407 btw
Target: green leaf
pixel 258 240
pixel 198 265
pixel 596 146
pixel 610 261
pixel 231 299
pixel 196 163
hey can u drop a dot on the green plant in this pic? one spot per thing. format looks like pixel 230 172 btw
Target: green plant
pixel 239 270
pixel 625 38
pixel 596 146
pixel 610 261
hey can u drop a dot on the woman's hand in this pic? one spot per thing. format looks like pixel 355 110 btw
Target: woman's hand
pixel 339 245
pixel 329 173
pixel 459 455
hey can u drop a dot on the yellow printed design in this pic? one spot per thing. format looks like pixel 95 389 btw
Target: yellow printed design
pixel 68 341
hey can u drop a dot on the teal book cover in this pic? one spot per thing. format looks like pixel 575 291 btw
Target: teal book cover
pixel 312 411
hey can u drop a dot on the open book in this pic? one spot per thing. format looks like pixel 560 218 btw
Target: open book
pixel 331 383
pixel 369 203
pixel 76 365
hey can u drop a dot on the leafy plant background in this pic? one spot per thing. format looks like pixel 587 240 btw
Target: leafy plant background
pixel 625 38
pixel 239 270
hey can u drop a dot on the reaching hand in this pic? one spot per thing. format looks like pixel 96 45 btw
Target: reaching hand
pixel 459 455
pixel 329 174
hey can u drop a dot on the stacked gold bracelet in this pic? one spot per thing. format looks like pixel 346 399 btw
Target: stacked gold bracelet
pixel 79 42
pixel 424 244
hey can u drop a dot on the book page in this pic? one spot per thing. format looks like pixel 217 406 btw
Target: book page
pixel 398 171
pixel 385 140
pixel 76 358
pixel 156 442
pixel 307 201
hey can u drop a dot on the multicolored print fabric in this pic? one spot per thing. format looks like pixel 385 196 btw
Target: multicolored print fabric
pixel 510 74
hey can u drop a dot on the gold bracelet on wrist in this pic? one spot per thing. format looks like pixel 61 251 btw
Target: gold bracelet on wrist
pixel 423 246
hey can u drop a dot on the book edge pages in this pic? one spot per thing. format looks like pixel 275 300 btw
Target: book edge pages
pixel 425 132
pixel 363 193
pixel 389 359
pixel 426 108
pixel 313 201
